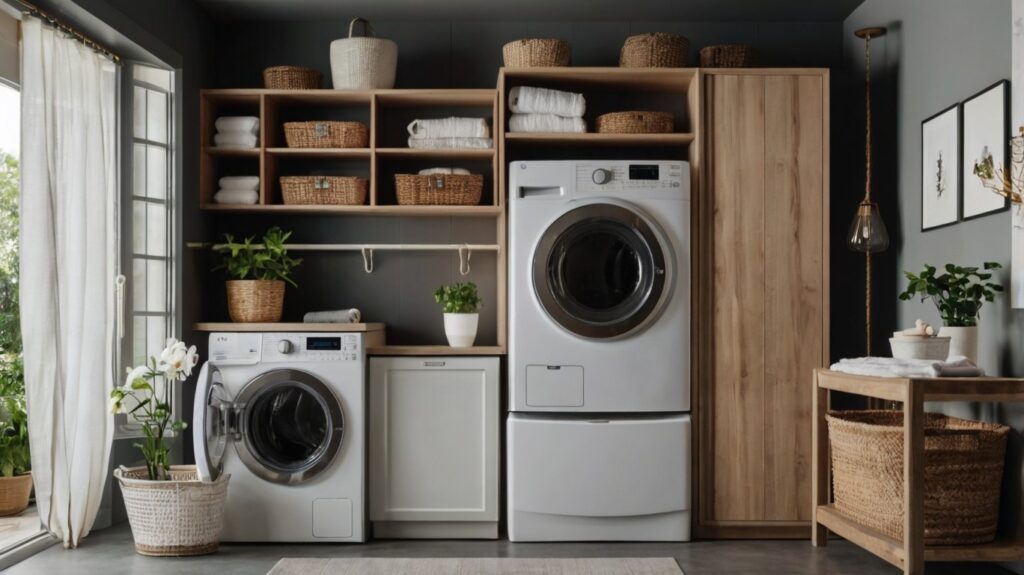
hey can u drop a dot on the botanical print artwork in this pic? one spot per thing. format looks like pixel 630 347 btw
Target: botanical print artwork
pixel 1016 120
pixel 940 170
pixel 985 137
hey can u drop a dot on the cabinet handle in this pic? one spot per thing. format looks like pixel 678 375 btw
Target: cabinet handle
pixel 433 364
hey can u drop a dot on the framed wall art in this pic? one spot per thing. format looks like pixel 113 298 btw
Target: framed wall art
pixel 940 169
pixel 986 135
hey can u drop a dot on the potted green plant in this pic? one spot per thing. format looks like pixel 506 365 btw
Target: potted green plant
pixel 460 303
pixel 958 293
pixel 15 461
pixel 258 273
pixel 171 512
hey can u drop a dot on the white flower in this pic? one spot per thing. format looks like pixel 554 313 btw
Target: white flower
pixel 190 361
pixel 116 405
pixel 176 361
pixel 134 374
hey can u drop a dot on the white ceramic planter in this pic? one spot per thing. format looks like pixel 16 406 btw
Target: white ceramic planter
pixel 460 328
pixel 963 341
pixel 936 348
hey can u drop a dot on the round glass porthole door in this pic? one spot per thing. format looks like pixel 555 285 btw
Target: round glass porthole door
pixel 292 426
pixel 600 271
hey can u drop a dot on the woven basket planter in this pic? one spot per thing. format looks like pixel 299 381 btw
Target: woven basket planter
pixel 14 494
pixel 636 122
pixel 324 190
pixel 657 50
pixel 963 469
pixel 292 78
pixel 326 135
pixel 728 56
pixel 255 301
pixel 439 189
pixel 536 53
pixel 180 517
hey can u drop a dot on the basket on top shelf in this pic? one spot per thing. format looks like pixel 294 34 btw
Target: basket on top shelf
pixel 728 56
pixel 292 78
pixel 657 50
pixel 323 190
pixel 438 189
pixel 636 122
pixel 536 53
pixel 327 134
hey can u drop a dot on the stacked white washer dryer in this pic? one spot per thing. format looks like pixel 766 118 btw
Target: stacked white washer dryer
pixel 599 366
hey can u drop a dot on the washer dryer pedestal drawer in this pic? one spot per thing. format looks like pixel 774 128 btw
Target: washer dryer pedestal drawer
pixel 612 479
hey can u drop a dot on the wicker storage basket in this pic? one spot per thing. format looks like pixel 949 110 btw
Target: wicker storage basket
pixel 366 63
pixel 536 53
pixel 292 78
pixel 326 134
pixel 183 516
pixel 324 190
pixel 439 189
pixel 963 469
pixel 14 494
pixel 657 50
pixel 255 301
pixel 636 122
pixel 728 56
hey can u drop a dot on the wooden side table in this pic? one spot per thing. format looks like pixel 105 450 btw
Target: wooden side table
pixel 911 553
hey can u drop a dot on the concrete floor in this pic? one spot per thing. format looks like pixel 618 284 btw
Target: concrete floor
pixel 110 552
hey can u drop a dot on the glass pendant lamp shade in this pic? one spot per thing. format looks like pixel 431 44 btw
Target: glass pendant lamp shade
pixel 867 231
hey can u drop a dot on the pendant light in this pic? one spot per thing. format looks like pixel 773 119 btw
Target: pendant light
pixel 867 231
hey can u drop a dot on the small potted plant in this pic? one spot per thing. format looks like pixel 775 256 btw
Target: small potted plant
pixel 460 303
pixel 958 293
pixel 15 460
pixel 171 512
pixel 259 272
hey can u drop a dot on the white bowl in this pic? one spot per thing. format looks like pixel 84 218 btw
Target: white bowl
pixel 915 347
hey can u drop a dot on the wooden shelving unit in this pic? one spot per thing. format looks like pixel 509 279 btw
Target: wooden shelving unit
pixel 287 326
pixel 591 139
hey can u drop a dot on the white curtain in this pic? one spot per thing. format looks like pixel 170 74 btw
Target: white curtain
pixel 68 269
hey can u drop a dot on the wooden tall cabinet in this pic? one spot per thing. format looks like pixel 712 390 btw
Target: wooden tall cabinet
pixel 764 298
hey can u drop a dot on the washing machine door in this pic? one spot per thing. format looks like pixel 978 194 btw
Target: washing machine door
pixel 290 426
pixel 600 270
pixel 209 417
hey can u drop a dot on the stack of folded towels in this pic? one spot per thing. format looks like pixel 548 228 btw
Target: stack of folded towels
pixel 545 110
pixel 238 190
pixel 240 132
pixel 442 133
pixel 455 171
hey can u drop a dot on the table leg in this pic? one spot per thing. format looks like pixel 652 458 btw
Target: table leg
pixel 820 466
pixel 913 480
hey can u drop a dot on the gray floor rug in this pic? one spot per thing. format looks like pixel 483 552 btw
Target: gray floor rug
pixel 477 566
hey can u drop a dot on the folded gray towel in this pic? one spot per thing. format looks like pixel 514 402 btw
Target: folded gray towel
pixel 333 316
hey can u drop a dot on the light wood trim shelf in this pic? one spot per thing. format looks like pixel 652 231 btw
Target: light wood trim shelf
pixel 483 211
pixel 434 350
pixel 321 152
pixel 452 154
pixel 640 79
pixel 232 152
pixel 287 326
pixel 595 139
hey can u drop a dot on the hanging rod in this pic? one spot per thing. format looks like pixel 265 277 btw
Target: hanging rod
pixel 360 247
pixel 37 12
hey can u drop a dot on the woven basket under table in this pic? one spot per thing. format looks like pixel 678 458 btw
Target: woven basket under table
pixel 657 50
pixel 963 469
pixel 636 122
pixel 536 53
pixel 728 56
pixel 328 134
pixel 292 78
pixel 439 189
pixel 324 190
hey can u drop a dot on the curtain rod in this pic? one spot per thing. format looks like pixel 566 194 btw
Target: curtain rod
pixel 37 12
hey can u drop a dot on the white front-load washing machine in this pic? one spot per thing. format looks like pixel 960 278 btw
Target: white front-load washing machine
pixel 283 413
pixel 599 350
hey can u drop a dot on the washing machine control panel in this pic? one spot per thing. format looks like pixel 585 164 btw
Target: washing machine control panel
pixel 619 176
pixel 298 347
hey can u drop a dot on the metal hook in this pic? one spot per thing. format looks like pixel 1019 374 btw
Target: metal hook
pixel 464 255
pixel 367 260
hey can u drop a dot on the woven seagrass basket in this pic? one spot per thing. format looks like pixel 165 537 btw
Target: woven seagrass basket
pixel 255 301
pixel 536 53
pixel 326 134
pixel 657 50
pixel 728 56
pixel 15 493
pixel 636 122
pixel 324 190
pixel 292 78
pixel 439 189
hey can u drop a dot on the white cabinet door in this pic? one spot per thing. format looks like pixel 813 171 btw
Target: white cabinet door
pixel 434 452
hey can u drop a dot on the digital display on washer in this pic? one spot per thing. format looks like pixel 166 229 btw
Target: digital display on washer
pixel 643 172
pixel 323 343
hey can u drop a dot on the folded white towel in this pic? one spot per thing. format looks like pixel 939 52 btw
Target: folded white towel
pixel 546 123
pixel 457 171
pixel 529 100
pixel 954 366
pixel 450 143
pixel 235 140
pixel 333 316
pixel 243 124
pixel 449 128
pixel 236 197
pixel 245 183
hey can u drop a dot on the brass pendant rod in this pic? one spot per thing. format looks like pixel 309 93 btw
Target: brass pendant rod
pixel 867 116
pixel 867 301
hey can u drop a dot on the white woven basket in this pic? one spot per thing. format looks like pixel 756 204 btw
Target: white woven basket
pixel 183 516
pixel 363 63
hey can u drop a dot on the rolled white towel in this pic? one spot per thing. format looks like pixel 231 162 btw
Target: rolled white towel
pixel 245 183
pixel 449 143
pixel 529 100
pixel 333 316
pixel 238 124
pixel 236 197
pixel 546 123
pixel 235 140
pixel 452 127
pixel 457 171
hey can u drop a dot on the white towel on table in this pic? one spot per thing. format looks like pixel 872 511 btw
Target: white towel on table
pixel 450 143
pixel 529 100
pixel 246 183
pixel 236 197
pixel 235 140
pixel 954 366
pixel 449 128
pixel 431 171
pixel 238 124
pixel 333 316
pixel 546 123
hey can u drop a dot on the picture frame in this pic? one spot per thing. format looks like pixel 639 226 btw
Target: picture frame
pixel 940 169
pixel 985 129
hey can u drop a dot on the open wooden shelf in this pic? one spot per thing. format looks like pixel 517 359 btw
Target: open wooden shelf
pixel 320 152
pixel 594 139
pixel 442 154
pixel 434 350
pixel 387 210
pixel 287 326
pixel 232 152
pixel 662 79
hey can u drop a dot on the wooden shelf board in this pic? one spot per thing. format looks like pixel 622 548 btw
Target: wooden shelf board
pixel 434 350
pixel 287 326
pixel 232 152
pixel 454 154
pixel 412 98
pixel 419 211
pixel 934 388
pixel 233 96
pixel 594 139
pixel 319 97
pixel 662 79
pixel 320 152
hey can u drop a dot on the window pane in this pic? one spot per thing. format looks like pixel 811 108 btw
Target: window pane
pixel 156 229
pixel 155 76
pixel 156 116
pixel 156 335
pixel 139 169
pixel 156 172
pixel 138 227
pixel 156 285
pixel 139 115
pixel 139 285
pixel 139 341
